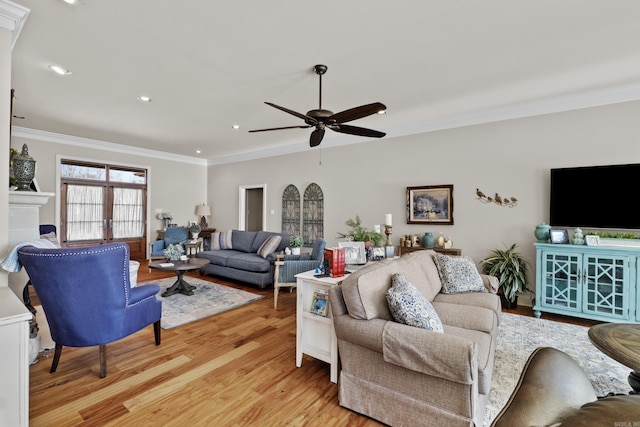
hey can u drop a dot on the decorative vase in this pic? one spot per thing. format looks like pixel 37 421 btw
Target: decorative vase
pixel 542 232
pixel 428 241
pixel 24 169
pixel 295 251
pixel 194 236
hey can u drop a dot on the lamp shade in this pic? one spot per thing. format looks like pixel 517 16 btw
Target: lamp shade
pixel 203 210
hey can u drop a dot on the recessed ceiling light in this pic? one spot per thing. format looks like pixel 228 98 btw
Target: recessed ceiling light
pixel 59 70
pixel 236 126
pixel 143 98
pixel 198 151
pixel 70 1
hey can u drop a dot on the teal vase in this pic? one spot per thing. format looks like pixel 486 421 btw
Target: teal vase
pixel 428 241
pixel 542 232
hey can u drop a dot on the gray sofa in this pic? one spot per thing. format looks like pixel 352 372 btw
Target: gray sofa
pixel 406 375
pixel 242 262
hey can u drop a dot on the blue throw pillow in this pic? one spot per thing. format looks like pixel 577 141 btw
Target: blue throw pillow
pixel 410 307
pixel 458 274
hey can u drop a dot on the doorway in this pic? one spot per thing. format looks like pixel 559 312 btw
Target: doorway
pixel 253 211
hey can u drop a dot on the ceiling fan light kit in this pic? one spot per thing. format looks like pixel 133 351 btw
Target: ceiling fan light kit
pixel 322 119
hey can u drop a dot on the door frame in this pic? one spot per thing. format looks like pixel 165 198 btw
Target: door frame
pixel 242 204
pixel 60 157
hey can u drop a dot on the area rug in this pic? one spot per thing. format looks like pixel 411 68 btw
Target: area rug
pixel 208 299
pixel 520 335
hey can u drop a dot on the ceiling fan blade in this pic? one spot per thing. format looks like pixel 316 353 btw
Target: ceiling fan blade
pixel 304 117
pixel 356 113
pixel 316 137
pixel 285 127
pixel 355 130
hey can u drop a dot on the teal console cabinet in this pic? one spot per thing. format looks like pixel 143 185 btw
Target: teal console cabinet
pixel 593 282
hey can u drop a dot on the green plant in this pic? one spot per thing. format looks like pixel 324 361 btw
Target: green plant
pixel 358 233
pixel 618 235
pixel 195 228
pixel 296 241
pixel 510 267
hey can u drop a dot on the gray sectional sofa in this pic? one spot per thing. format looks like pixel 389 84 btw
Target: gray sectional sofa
pixel 234 254
pixel 406 375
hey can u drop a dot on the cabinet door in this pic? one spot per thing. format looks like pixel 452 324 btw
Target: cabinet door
pixel 606 286
pixel 560 281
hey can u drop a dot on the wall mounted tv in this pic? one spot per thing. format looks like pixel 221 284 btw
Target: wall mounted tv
pixel 595 196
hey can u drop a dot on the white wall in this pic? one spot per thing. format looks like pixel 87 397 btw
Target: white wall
pixel 511 158
pixel 5 102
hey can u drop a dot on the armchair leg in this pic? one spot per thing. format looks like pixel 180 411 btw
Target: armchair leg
pixel 56 358
pixel 156 332
pixel 275 297
pixel 103 361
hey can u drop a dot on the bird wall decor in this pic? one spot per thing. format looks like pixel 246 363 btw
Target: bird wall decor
pixel 497 199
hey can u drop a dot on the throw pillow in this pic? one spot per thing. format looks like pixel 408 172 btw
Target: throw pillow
pixel 458 274
pixel 51 237
pixel 269 245
pixel 215 241
pixel 227 240
pixel 410 307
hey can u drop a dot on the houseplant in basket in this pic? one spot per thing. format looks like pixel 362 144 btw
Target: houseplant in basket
pixel 295 243
pixel 511 268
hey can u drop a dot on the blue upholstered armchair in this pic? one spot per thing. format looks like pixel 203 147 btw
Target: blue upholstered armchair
pixel 291 265
pixel 87 298
pixel 172 236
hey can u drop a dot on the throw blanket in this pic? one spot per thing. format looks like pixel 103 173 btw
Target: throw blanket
pixel 12 264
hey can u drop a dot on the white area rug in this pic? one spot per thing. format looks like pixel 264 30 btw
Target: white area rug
pixel 208 299
pixel 520 335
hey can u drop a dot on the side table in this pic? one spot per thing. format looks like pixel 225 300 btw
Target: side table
pixel 315 335
pixel 195 245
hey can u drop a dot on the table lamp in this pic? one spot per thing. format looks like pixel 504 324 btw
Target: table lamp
pixel 203 211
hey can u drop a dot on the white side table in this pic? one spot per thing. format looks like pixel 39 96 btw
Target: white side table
pixel 315 335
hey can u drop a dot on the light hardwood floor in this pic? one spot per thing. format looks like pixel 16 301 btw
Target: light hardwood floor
pixel 233 369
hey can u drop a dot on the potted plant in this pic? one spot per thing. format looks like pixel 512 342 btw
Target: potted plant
pixel 510 267
pixel 295 243
pixel 195 229
pixel 358 233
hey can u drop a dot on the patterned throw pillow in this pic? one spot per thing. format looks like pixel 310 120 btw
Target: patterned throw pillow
pixel 410 307
pixel 458 274
pixel 221 240
pixel 269 245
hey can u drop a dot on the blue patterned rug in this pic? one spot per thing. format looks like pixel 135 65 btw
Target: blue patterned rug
pixel 520 335
pixel 208 299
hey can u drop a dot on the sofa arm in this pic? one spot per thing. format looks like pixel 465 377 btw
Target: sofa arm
pixel 437 354
pixel 491 283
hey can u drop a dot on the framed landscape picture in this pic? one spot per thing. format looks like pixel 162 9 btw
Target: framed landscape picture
pixel 431 204
pixel 354 252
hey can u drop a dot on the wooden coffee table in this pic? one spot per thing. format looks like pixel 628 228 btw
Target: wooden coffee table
pixel 621 342
pixel 179 267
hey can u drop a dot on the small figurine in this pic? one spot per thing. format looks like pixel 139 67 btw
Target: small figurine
pixel 440 240
pixel 448 244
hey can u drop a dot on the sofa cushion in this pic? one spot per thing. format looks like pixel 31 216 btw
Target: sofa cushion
pixel 242 240
pixel 262 236
pixel 410 307
pixel 270 245
pixel 458 274
pixel 248 262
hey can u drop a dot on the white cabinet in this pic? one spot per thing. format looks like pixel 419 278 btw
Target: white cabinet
pixel 14 360
pixel 315 335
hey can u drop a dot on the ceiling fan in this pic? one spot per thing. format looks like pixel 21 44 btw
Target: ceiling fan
pixel 322 119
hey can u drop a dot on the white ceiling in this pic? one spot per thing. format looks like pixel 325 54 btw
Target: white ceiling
pixel 208 65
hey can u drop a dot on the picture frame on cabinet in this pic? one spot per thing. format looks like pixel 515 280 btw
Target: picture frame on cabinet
pixel 559 236
pixel 592 240
pixel 430 204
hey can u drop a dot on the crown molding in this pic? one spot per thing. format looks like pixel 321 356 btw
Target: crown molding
pixel 12 17
pixel 57 138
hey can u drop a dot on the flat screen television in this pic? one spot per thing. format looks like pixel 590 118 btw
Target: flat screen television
pixel 595 196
